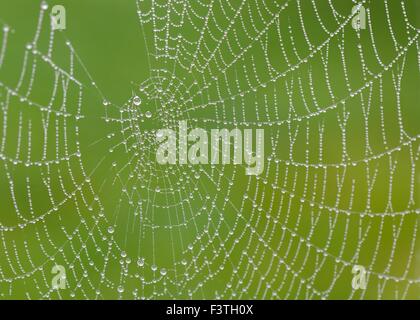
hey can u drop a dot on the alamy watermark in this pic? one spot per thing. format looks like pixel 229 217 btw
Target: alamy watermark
pixel 359 20
pixel 59 280
pixel 359 279
pixel 58 17
pixel 197 147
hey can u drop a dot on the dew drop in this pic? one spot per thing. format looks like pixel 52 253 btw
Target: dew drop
pixel 137 100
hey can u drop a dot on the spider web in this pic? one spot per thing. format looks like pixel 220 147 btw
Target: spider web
pixel 340 180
